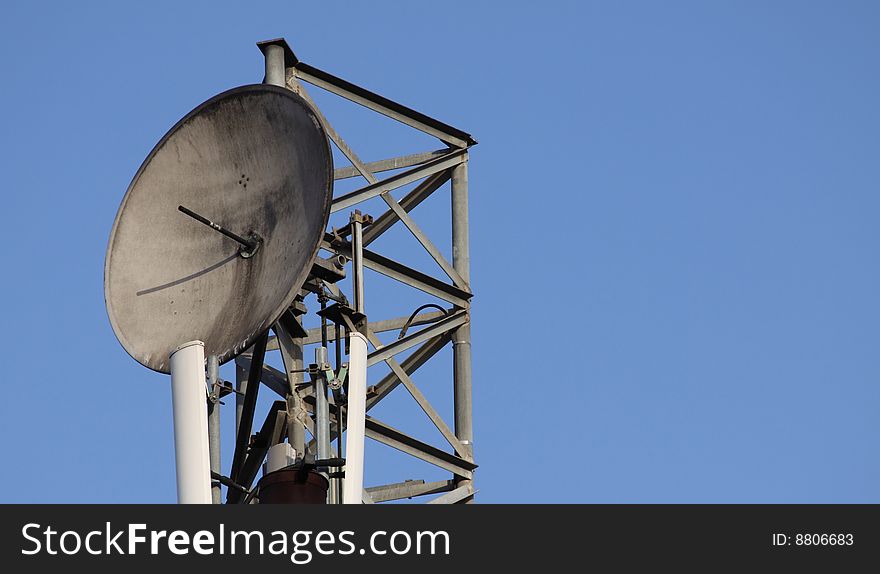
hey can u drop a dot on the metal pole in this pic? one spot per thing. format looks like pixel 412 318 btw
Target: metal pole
pixel 241 388
pixel 337 399
pixel 296 432
pixel 214 422
pixel 461 337
pixel 190 424
pixel 357 260
pixel 243 433
pixel 276 75
pixel 353 486
pixel 356 407
pixel 275 70
pixel 322 409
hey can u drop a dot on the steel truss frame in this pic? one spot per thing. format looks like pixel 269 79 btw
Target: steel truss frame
pixel 298 412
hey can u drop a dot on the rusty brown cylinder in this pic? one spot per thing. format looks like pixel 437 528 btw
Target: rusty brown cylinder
pixel 292 486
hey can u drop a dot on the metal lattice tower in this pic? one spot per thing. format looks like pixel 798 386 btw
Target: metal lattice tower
pixel 300 407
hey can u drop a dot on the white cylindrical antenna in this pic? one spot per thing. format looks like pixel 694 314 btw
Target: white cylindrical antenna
pixel 188 397
pixel 353 485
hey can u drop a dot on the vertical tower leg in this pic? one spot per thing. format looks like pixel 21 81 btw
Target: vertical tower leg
pixel 275 70
pixel 240 388
pixel 291 345
pixel 190 424
pixel 214 423
pixel 461 338
pixel 276 75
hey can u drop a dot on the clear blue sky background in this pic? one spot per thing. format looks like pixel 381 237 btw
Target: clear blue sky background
pixel 674 235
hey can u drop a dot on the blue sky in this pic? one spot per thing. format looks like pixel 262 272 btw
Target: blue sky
pixel 673 222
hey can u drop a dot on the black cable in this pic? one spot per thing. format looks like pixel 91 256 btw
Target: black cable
pixel 409 321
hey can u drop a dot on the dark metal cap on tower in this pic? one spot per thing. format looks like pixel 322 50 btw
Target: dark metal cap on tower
pixel 290 59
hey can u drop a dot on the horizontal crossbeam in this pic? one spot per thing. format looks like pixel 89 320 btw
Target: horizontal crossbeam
pixel 408 489
pixel 400 272
pixel 383 105
pixel 396 439
pixel 314 335
pixel 443 326
pixel 398 180
pixel 389 164
pixel 454 496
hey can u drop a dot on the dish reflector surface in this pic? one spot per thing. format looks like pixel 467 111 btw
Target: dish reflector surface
pixel 254 160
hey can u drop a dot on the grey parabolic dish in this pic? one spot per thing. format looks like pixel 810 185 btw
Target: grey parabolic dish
pixel 252 159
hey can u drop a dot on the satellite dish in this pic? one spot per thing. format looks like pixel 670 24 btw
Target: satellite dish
pixel 220 226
